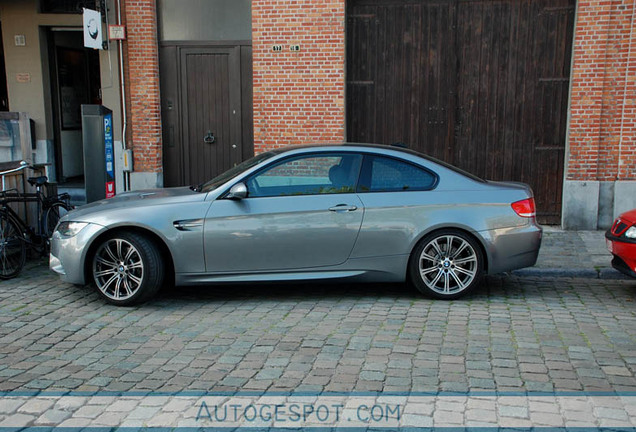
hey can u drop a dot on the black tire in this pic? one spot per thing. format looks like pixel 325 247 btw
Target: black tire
pixel 127 269
pixel 446 264
pixel 52 216
pixel 12 247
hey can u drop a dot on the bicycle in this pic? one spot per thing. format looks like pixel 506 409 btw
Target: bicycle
pixel 15 234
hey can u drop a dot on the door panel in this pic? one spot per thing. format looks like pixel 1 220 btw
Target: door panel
pixel 398 85
pixel 280 233
pixel 211 115
pixel 480 84
pixel 513 99
pixel 203 90
pixel 170 117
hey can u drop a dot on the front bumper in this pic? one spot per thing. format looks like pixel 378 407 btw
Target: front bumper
pixel 624 252
pixel 68 255
pixel 56 265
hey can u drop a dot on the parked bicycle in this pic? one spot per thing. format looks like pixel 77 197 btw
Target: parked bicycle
pixel 16 236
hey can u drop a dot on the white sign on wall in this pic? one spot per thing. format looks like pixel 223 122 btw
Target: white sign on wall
pixel 92 29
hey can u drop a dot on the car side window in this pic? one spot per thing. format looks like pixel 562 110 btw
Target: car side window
pixel 385 174
pixel 313 174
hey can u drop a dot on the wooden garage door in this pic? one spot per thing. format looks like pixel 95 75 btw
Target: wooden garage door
pixel 480 84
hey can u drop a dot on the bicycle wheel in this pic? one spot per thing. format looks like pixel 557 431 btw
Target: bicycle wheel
pixel 12 247
pixel 52 216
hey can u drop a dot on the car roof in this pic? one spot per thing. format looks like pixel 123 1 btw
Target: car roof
pixel 400 147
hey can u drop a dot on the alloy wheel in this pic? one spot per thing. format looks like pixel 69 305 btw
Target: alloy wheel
pixel 448 264
pixel 118 269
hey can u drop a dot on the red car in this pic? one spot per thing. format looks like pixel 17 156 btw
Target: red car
pixel 621 242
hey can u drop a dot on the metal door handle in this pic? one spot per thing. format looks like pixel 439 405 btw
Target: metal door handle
pixel 343 207
pixel 209 138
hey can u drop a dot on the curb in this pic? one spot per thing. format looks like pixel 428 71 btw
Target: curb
pixel 602 273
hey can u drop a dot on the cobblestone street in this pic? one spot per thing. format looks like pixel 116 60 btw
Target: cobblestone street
pixel 517 333
pixel 513 334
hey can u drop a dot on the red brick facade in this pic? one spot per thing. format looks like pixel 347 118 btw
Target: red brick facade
pixel 602 134
pixel 298 96
pixel 142 70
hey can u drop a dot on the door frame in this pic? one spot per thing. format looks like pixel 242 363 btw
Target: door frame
pixel 55 103
pixel 172 100
pixel 234 64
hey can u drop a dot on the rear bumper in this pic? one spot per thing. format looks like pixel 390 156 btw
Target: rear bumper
pixel 512 248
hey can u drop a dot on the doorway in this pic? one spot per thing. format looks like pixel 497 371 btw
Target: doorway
pixel 206 110
pixel 75 80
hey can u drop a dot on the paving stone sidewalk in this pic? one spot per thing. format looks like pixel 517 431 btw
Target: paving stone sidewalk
pixel 573 254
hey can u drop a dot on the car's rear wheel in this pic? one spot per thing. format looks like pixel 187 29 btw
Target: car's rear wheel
pixel 127 269
pixel 446 264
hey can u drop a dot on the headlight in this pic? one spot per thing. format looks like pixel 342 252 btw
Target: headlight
pixel 631 233
pixel 70 229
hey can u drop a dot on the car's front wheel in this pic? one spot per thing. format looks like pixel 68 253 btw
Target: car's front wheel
pixel 446 264
pixel 127 269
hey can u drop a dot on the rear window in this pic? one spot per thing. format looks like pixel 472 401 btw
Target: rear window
pixel 385 174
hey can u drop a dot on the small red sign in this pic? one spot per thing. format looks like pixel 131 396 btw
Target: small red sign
pixel 110 189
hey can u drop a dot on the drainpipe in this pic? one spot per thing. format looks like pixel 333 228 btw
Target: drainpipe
pixel 123 96
pixel 627 72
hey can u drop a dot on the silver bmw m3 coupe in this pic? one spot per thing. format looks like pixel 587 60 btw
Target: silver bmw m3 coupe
pixel 333 212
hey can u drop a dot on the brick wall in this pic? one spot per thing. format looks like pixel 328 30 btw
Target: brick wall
pixel 142 77
pixel 298 96
pixel 602 134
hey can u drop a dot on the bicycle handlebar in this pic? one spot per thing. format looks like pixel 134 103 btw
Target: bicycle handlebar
pixel 23 165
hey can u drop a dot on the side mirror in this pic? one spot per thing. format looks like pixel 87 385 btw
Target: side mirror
pixel 237 192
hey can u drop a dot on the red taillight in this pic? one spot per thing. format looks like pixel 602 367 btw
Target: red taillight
pixel 525 208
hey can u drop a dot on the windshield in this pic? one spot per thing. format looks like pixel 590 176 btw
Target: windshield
pixel 233 172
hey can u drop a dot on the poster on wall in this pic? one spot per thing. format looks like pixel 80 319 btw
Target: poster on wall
pixel 92 29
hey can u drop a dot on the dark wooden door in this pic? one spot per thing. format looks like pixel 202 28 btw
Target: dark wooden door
pixel 398 85
pixel 211 111
pixel 202 112
pixel 480 84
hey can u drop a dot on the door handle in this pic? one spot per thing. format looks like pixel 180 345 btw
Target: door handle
pixel 343 207
pixel 209 138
